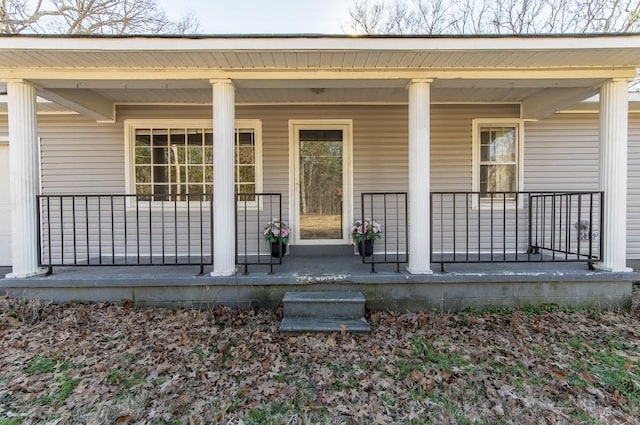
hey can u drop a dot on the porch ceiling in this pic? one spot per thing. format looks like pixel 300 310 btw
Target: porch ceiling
pixel 91 75
pixel 315 91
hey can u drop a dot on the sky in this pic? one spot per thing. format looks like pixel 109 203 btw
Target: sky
pixel 263 16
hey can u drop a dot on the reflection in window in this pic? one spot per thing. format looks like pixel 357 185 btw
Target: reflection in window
pixel 498 159
pixel 175 161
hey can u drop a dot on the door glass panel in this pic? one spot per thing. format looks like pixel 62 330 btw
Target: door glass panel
pixel 320 184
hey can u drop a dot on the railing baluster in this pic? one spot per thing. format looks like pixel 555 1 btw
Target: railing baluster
pixel 126 239
pixel 504 226
pixel 162 227
pixel 175 226
pixel 113 234
pixel 454 226
pixel 99 229
pixel 466 209
pixel 137 201
pixel 86 216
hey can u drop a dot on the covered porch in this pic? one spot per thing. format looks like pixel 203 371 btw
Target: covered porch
pixel 419 123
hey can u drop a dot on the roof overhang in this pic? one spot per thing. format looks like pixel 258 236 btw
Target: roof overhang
pixel 92 75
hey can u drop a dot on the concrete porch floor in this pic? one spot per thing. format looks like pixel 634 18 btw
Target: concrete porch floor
pixel 461 286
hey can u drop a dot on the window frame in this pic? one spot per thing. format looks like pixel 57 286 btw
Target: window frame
pixel 131 125
pixel 477 124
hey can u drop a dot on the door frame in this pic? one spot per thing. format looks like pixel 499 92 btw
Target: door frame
pixel 346 125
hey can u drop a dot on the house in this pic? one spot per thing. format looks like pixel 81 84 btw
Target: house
pixel 474 153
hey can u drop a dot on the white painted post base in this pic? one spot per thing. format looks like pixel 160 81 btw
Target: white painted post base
pixel 39 272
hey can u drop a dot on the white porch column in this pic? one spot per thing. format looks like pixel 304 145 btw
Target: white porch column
pixel 23 176
pixel 614 121
pixel 224 226
pixel 419 176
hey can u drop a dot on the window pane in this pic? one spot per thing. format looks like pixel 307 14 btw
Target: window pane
pixel 245 155
pixel 195 188
pixel 498 178
pixel 160 155
pixel 196 175
pixel 195 155
pixel 246 174
pixel 484 153
pixel 143 189
pixel 245 137
pixel 208 174
pixel 194 137
pixel 160 174
pixel 208 155
pixel 498 144
pixel 160 189
pixel 208 137
pixel 143 155
pixel 179 175
pixel 143 137
pixel 177 137
pixel 143 174
pixel 160 137
pixel 504 145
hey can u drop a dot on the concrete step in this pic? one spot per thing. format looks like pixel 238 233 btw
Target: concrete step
pixel 324 304
pixel 316 324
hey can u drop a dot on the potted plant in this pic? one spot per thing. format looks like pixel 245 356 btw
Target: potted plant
pixel 364 233
pixel 276 232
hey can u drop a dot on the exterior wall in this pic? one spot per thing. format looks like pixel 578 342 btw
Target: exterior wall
pixel 561 152
pixel 633 188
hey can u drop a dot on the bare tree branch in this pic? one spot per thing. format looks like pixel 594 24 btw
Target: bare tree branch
pixel 91 17
pixel 494 16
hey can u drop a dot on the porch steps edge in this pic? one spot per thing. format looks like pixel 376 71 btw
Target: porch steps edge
pixel 324 311
pixel 324 304
pixel 316 324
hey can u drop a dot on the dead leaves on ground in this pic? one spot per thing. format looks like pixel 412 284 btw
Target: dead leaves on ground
pixel 105 363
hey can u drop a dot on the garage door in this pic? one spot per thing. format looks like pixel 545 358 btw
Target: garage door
pixel 5 219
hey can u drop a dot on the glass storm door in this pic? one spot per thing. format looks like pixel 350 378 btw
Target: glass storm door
pixel 320 185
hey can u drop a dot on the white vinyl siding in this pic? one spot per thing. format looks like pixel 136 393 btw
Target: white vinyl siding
pixel 633 188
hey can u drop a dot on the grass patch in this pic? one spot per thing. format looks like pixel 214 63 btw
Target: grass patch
pixel 64 387
pixel 442 360
pixel 11 421
pixel 44 364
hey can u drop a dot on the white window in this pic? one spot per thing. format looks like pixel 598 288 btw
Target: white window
pixel 167 159
pixel 497 156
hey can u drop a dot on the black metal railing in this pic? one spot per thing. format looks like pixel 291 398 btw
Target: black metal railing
pixel 474 227
pixel 390 210
pixel 253 212
pixel 125 230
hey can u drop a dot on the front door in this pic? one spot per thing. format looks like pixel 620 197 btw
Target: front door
pixel 322 182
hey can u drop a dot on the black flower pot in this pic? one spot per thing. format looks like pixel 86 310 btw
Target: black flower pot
pixel 278 249
pixel 365 248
